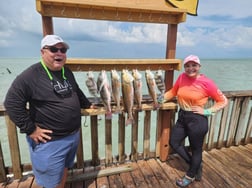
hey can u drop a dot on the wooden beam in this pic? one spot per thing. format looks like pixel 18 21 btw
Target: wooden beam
pixel 120 64
pixel 100 173
pixel 130 11
pixel 145 107
pixel 47 25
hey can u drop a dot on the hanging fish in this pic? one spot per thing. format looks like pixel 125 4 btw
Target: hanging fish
pixel 152 87
pixel 116 87
pixel 137 83
pixel 91 84
pixel 104 90
pixel 128 95
pixel 160 84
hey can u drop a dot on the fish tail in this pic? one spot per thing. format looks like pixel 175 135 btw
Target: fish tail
pixel 108 115
pixel 156 106
pixel 129 121
pixel 139 108
pixel 118 110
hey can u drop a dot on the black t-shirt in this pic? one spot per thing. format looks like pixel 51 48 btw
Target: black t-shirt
pixel 47 109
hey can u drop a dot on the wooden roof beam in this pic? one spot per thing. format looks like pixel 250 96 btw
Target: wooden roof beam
pixel 110 11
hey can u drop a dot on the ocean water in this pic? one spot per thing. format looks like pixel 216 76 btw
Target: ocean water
pixel 228 74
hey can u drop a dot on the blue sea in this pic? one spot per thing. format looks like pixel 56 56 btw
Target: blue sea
pixel 228 74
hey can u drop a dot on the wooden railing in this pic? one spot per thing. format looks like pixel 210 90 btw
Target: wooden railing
pixel 231 126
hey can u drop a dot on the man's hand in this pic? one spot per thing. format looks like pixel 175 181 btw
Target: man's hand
pixel 40 135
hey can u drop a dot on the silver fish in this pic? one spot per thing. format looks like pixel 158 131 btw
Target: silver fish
pixel 91 84
pixel 137 83
pixel 116 88
pixel 105 92
pixel 152 87
pixel 159 79
pixel 128 95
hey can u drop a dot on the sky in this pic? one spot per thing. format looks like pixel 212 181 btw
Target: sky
pixel 222 29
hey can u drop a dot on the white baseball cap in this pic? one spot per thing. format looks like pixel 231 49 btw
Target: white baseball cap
pixel 51 40
pixel 193 58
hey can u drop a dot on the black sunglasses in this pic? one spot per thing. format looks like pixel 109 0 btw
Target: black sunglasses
pixel 54 49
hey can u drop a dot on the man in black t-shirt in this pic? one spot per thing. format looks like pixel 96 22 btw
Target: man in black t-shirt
pixel 54 118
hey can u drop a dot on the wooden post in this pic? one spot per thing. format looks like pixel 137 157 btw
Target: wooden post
pixel 47 25
pixel 108 141
pixel 14 148
pixel 80 153
pixel 94 141
pixel 167 115
pixel 3 177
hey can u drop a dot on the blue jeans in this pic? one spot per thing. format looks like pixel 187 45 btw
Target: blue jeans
pixel 194 126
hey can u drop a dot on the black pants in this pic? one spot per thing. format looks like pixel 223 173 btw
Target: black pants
pixel 195 126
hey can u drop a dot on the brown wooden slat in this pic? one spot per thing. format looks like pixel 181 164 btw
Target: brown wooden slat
pixel 148 174
pixel 158 133
pixel 26 181
pixel 134 133
pixel 2 166
pixel 13 184
pixel 211 132
pixel 80 153
pixel 94 140
pixel 240 167
pixel 163 180
pixel 249 129
pixel 91 183
pixel 14 148
pixel 127 180
pixel 233 121
pixel 242 121
pixel 138 177
pixel 213 176
pixel 102 182
pixel 223 171
pixel 223 123
pixel 248 147
pixel 146 137
pixel 244 154
pixel 108 140
pixel 121 138
pixel 115 181
pixel 170 172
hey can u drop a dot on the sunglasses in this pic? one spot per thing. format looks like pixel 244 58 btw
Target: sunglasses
pixel 54 49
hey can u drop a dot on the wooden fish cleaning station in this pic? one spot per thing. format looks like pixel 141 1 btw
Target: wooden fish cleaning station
pixel 141 166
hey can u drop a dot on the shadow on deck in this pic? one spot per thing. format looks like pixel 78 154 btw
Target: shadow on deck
pixel 227 167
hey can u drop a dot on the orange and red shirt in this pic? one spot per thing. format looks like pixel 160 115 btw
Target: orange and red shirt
pixel 195 92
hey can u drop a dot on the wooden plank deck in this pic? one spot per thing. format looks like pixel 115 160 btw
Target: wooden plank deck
pixel 226 168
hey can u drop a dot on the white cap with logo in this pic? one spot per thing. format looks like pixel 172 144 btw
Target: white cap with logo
pixel 51 40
